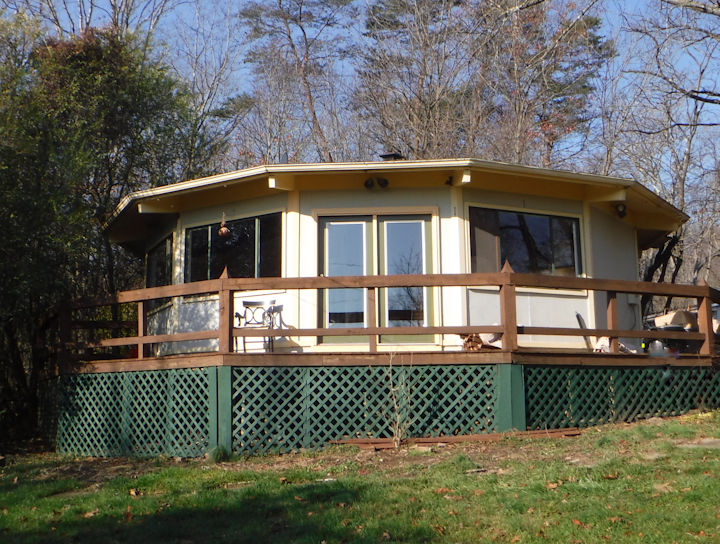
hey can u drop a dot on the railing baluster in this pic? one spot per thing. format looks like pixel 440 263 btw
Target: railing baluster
pixel 612 320
pixel 141 328
pixel 372 318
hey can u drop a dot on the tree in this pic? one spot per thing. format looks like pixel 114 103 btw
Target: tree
pixel 304 33
pixel 501 79
pixel 84 121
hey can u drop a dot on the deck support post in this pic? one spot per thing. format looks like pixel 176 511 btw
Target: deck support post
pixel 221 408
pixel 510 394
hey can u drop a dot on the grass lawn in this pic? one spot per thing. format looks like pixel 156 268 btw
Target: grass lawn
pixel 654 481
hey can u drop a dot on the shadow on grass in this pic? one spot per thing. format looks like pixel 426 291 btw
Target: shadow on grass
pixel 312 512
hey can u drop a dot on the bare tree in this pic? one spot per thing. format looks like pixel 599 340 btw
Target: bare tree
pixel 74 18
pixel 305 33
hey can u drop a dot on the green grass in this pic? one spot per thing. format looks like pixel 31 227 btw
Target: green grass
pixel 627 483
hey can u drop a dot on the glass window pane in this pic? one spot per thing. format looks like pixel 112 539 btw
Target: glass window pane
pixel 484 236
pixel 533 243
pixel 235 251
pixel 563 235
pixel 196 254
pixel 404 254
pixel 345 256
pixel 270 250
pixel 159 264
pixel 525 241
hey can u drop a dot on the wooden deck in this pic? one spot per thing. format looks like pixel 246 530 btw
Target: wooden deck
pixel 89 336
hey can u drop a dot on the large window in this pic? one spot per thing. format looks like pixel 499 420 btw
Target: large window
pixel 251 249
pixel 541 244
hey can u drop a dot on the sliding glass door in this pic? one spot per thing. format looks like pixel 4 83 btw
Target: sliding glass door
pixel 350 249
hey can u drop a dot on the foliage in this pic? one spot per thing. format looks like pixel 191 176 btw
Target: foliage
pixel 649 482
pixel 83 121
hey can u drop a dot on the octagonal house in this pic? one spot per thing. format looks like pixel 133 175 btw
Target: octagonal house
pixel 490 296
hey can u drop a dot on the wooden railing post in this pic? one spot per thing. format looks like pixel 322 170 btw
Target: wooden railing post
pixel 612 320
pixel 508 310
pixel 64 332
pixel 226 308
pixel 141 328
pixel 372 318
pixel 705 324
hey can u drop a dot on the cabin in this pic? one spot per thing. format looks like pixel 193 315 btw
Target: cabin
pixel 290 305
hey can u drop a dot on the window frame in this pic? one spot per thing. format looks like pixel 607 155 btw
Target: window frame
pixel 186 230
pixel 579 245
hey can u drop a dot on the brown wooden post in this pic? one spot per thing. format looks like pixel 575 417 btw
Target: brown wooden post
pixel 705 324
pixel 372 318
pixel 64 332
pixel 508 309
pixel 226 308
pixel 612 320
pixel 141 328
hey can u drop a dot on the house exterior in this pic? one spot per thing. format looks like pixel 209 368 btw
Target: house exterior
pixel 450 216
pixel 287 306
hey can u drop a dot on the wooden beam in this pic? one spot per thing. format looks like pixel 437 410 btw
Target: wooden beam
pixel 158 206
pixel 613 195
pixel 282 182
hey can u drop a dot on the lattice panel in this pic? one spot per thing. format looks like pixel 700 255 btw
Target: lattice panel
pixel 559 397
pixel 90 412
pixel 278 409
pixel 162 412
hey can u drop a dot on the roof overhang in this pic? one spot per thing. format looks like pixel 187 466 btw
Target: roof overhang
pixel 140 213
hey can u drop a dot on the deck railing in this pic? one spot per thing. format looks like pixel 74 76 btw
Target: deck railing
pixel 123 330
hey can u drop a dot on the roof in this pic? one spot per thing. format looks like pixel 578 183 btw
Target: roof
pixel 143 211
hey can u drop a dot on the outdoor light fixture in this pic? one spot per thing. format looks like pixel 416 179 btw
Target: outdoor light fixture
pixel 621 210
pixel 381 182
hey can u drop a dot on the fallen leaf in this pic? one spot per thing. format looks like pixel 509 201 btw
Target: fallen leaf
pixel 452 513
pixel 91 513
pixel 283 480
pixel 662 488
pixel 530 510
pixel 516 538
pixel 443 490
pixel 310 514
pixel 479 492
pixel 299 499
pixel 613 476
pixel 554 485
pixel 15 480
pixel 685 489
pixel 386 536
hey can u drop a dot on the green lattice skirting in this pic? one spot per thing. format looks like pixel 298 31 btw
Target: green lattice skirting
pixel 279 409
pixel 258 409
pixel 561 397
pixel 139 414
